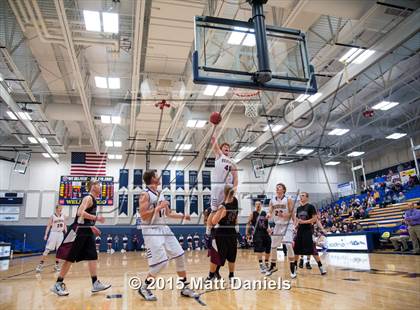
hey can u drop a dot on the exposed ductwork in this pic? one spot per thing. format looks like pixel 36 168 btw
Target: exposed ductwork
pixel 135 74
pixel 29 11
pixel 77 72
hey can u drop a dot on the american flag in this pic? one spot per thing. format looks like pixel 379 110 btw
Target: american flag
pixel 88 164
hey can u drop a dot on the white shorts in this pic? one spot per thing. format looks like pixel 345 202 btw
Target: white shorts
pixel 217 195
pixel 54 240
pixel 161 245
pixel 282 233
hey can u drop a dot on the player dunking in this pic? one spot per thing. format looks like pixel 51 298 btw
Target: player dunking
pixel 224 173
pixel 283 215
pixel 58 228
pixel 161 244
pixel 304 244
pixel 79 242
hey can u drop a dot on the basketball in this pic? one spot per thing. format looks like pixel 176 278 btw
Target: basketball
pixel 215 118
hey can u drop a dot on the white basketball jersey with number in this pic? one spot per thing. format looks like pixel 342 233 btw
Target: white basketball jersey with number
pixel 154 199
pixel 57 223
pixel 223 170
pixel 281 214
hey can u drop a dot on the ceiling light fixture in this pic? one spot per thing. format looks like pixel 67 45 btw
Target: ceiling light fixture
pixel 32 140
pixel 385 105
pixel 396 136
pixel 92 20
pixel 355 154
pixel 332 163
pixel 338 132
pixel 110 22
pixel 11 115
pixel 304 151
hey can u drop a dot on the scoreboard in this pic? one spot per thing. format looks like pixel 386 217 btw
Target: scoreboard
pixel 73 189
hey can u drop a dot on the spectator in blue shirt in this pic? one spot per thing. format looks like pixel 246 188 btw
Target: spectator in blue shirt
pixel 412 218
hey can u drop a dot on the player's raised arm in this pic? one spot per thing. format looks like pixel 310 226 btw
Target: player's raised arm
pixel 216 149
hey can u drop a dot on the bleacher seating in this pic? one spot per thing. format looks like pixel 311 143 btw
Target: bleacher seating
pixel 388 217
pixel 380 219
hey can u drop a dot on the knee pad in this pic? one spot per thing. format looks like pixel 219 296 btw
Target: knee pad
pixel 290 252
pixel 46 251
pixel 180 263
pixel 154 270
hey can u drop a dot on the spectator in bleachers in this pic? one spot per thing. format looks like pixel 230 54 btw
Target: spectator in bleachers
pixel 333 230
pixel 387 200
pixel 412 218
pixel 376 196
pixel 400 236
pixel 401 197
pixel 358 227
pixel 412 181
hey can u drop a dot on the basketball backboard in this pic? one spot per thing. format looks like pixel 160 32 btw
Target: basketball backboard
pixel 226 55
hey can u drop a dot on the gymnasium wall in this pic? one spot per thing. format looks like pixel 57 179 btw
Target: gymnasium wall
pixel 397 152
pixel 41 184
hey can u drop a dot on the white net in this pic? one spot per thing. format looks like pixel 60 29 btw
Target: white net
pixel 251 109
pixel 249 100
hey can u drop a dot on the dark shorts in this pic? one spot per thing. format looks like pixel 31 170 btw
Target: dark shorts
pixel 81 248
pixel 227 247
pixel 304 244
pixel 262 243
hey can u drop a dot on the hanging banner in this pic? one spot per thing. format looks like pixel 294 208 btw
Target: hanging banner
pixel 206 180
pixel 180 180
pixel 123 204
pixel 406 174
pixel 166 179
pixel 206 201
pixel 193 178
pixel 345 189
pixel 123 179
pixel 138 178
pixel 194 204
pixel 180 203
pixel 136 205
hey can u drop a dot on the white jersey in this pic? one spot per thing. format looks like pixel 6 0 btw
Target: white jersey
pixel 125 240
pixel 57 223
pixel 223 170
pixel 154 199
pixel 281 214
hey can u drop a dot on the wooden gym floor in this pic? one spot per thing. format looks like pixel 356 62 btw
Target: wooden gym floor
pixel 354 281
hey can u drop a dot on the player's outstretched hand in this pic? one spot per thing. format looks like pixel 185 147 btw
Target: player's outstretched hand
pixel 100 219
pixel 45 237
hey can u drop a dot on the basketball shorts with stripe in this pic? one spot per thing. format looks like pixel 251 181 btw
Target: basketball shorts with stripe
pixel 161 245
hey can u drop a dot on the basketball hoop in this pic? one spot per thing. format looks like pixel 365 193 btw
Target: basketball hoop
pixel 251 106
